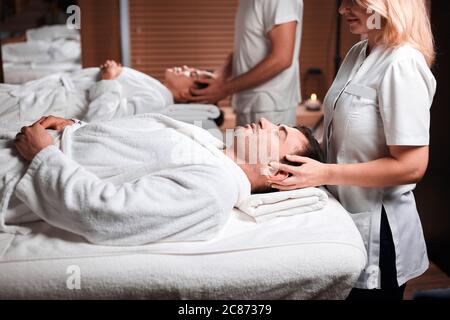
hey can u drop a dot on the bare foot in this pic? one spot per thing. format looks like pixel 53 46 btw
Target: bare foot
pixel 111 70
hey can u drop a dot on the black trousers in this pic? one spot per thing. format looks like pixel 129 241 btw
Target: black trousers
pixel 390 289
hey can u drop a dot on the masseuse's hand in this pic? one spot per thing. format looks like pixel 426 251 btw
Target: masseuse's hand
pixel 32 140
pixel 311 173
pixel 215 92
pixel 54 123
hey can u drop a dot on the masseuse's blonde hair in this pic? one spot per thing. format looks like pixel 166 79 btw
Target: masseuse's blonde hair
pixel 405 22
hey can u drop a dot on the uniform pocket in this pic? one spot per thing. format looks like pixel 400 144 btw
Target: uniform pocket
pixel 363 222
pixel 363 92
pixel 365 120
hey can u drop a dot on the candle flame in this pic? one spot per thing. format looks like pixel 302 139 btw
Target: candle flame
pixel 314 97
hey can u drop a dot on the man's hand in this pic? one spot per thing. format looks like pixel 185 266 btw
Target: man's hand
pixel 216 91
pixel 32 140
pixel 54 123
pixel 111 70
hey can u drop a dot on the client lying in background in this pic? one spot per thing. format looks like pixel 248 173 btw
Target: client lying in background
pixel 93 94
pixel 142 179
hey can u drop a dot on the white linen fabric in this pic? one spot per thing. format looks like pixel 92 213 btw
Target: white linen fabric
pixel 122 182
pixel 47 50
pixel 42 52
pixel 53 33
pixel 80 95
pixel 192 112
pixel 316 255
pixel 264 207
pixel 20 73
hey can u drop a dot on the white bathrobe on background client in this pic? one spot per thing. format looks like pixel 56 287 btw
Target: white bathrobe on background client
pixel 128 182
pixel 81 96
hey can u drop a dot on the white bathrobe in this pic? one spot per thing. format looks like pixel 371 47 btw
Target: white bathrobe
pixel 80 95
pixel 130 182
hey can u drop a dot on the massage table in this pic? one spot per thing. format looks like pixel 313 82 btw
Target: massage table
pixel 317 255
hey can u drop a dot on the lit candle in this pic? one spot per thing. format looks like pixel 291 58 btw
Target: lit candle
pixel 313 104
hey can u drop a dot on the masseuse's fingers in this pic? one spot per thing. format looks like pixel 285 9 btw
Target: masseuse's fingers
pixel 283 167
pixel 298 159
pixel 207 81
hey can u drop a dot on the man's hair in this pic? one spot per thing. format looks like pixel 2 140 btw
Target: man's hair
pixel 313 149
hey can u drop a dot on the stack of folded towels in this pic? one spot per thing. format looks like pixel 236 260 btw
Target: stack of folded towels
pixel 264 207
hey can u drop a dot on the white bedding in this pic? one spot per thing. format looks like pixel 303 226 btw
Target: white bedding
pixel 19 73
pixel 318 255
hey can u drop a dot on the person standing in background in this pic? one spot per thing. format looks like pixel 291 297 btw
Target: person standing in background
pixel 263 73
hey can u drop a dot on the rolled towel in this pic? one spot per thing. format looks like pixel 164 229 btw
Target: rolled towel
pixel 192 112
pixel 264 207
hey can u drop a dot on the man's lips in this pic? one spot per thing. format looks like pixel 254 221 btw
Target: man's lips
pixel 352 20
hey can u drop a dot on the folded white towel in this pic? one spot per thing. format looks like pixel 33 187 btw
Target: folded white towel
pixel 264 207
pixel 192 112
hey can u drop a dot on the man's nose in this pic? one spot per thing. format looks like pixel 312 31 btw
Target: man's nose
pixel 266 124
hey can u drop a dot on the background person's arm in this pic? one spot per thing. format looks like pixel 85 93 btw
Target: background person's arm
pixel 226 71
pixel 279 59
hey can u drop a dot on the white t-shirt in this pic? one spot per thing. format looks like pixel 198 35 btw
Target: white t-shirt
pixel 254 20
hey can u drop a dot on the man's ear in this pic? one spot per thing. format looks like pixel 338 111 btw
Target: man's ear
pixel 279 176
pixel 275 176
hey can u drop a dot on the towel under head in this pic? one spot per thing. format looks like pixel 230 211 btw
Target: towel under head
pixel 264 207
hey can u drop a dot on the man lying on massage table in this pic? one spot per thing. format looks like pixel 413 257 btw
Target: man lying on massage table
pixel 146 178
pixel 121 92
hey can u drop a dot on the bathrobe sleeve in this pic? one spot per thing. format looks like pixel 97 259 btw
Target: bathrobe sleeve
pixel 190 203
pixel 108 100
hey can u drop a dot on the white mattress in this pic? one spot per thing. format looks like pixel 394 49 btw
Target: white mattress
pixel 313 256
pixel 19 73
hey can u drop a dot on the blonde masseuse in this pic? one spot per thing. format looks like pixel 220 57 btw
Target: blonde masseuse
pixel 376 139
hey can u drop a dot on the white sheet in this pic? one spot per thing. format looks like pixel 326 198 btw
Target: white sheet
pixel 264 207
pixel 42 52
pixel 316 255
pixel 192 112
pixel 127 159
pixel 20 73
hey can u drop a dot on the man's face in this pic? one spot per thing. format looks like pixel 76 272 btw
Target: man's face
pixel 180 81
pixel 264 142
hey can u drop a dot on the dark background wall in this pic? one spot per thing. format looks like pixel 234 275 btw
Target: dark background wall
pixel 1 68
pixel 100 31
pixel 433 194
